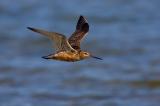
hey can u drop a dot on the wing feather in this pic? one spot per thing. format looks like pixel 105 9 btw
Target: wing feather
pixel 81 30
pixel 59 40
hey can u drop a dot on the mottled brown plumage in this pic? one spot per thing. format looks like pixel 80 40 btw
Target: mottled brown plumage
pixel 68 49
pixel 81 30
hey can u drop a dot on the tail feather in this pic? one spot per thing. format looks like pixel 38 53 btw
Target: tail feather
pixel 51 56
pixel 45 57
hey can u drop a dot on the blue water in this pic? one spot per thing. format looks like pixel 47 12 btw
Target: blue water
pixel 125 33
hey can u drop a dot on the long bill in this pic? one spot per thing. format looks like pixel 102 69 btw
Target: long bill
pixel 96 57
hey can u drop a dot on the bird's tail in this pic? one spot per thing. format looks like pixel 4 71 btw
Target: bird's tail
pixel 51 56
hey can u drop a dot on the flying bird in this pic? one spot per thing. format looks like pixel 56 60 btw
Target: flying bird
pixel 68 49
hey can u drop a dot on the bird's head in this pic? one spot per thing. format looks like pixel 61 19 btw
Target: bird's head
pixel 84 55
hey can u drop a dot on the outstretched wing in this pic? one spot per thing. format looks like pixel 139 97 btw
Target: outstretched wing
pixel 59 40
pixel 81 30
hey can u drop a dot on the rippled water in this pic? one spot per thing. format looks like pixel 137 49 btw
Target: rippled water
pixel 125 33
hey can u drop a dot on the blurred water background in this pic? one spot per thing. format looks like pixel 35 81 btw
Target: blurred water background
pixel 125 33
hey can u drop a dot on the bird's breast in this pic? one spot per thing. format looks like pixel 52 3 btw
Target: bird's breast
pixel 67 56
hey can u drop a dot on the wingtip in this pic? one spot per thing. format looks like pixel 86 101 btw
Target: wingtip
pixel 81 16
pixel 30 28
pixel 85 27
pixel 82 24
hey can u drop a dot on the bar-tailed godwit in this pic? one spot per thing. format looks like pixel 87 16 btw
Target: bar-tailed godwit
pixel 68 49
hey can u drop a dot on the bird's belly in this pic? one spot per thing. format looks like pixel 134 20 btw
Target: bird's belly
pixel 67 56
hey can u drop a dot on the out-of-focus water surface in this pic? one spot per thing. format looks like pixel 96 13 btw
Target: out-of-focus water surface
pixel 125 33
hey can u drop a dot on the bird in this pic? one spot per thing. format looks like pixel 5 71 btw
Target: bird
pixel 68 49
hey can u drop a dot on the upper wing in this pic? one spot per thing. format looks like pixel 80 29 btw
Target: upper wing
pixel 60 41
pixel 81 30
